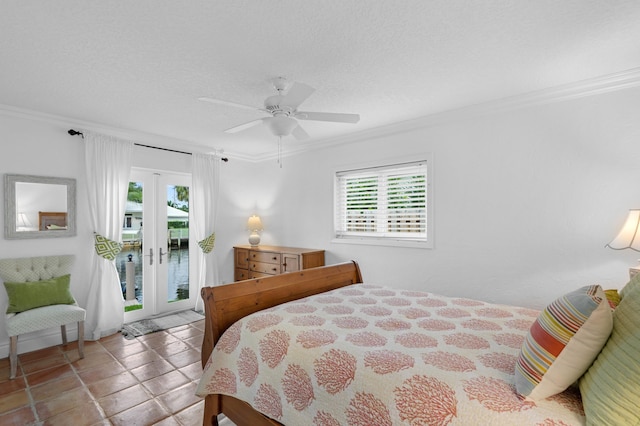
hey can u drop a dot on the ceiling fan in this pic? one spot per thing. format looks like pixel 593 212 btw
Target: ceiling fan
pixel 283 111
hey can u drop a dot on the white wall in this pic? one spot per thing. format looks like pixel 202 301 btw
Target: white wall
pixel 44 149
pixel 524 201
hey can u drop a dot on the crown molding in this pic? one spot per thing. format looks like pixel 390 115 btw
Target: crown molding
pixel 151 139
pixel 589 87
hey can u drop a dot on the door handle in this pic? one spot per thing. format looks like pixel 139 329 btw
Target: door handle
pixel 150 256
pixel 161 254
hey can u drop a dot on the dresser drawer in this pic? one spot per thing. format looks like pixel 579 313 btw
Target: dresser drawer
pixel 242 258
pixel 253 275
pixel 265 257
pixel 265 268
pixel 241 274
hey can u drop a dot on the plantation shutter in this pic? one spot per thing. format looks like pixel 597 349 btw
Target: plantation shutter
pixel 382 202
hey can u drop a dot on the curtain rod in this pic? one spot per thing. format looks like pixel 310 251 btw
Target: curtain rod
pixel 73 132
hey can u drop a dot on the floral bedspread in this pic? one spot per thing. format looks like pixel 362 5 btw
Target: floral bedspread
pixel 372 355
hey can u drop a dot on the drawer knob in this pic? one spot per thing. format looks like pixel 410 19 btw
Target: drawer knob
pixel 274 269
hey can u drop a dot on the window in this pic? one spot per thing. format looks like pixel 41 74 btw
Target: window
pixel 383 205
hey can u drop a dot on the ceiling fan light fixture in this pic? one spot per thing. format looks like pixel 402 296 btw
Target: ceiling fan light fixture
pixel 282 125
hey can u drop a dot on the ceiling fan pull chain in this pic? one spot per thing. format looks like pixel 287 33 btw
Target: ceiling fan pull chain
pixel 280 151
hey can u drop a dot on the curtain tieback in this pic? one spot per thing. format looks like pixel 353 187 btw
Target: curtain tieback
pixel 107 248
pixel 207 244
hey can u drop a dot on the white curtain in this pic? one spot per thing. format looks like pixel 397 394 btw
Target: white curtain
pixel 205 189
pixel 108 165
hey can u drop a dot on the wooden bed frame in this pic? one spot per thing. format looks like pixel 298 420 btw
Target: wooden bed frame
pixel 51 218
pixel 226 304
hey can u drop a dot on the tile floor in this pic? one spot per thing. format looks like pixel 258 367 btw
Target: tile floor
pixel 149 380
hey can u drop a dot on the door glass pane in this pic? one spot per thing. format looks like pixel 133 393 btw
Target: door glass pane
pixel 178 243
pixel 129 260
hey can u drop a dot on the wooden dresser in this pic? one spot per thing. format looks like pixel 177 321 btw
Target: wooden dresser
pixel 263 261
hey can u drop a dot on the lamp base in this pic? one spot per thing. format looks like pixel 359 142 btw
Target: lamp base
pixel 254 239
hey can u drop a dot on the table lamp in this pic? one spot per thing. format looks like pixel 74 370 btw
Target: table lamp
pixel 254 224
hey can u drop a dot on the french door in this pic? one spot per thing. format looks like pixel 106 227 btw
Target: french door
pixel 157 246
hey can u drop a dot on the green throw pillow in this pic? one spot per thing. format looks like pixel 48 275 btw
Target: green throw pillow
pixel 34 294
pixel 609 388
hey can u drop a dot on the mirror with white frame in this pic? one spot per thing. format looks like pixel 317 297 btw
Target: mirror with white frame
pixel 39 207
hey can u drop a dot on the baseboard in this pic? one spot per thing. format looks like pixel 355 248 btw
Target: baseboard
pixel 39 340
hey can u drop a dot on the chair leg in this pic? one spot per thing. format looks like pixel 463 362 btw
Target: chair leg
pixel 81 339
pixel 63 329
pixel 13 356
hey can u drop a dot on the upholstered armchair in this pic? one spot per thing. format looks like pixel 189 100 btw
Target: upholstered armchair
pixel 39 298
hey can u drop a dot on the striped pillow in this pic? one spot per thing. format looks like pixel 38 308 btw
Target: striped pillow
pixel 563 342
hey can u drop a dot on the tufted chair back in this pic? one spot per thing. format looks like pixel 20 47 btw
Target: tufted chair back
pixel 35 268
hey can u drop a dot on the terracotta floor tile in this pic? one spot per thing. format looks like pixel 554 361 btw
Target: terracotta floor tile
pixel 192 371
pixel 43 363
pixel 7 386
pixel 95 360
pixel 141 358
pixel 64 402
pixel 169 421
pixel 90 346
pixel 194 342
pixel 123 351
pixel 101 372
pixel 52 373
pixel 144 414
pixel 14 400
pixel 192 415
pixel 81 415
pixel 172 349
pixel 180 398
pixel 112 384
pixel 123 400
pixel 198 324
pixel 6 370
pixel 39 354
pixel 185 333
pixel 166 382
pixel 185 358
pixel 54 388
pixel 20 417
pixel 158 339
pixel 177 329
pixel 115 339
pixel 151 370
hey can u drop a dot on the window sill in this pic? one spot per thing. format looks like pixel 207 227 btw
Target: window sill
pixel 384 242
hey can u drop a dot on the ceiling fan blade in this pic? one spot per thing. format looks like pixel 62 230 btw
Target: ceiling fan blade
pixel 227 103
pixel 297 94
pixel 328 116
pixel 299 133
pixel 244 126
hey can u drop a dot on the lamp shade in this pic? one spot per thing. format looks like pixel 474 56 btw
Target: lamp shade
pixel 628 237
pixel 254 223
pixel 22 220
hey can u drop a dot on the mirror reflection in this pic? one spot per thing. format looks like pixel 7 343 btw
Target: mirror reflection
pixel 39 206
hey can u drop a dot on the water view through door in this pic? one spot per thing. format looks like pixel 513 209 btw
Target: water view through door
pixel 154 264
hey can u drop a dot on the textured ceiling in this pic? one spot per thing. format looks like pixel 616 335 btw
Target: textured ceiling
pixel 141 65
